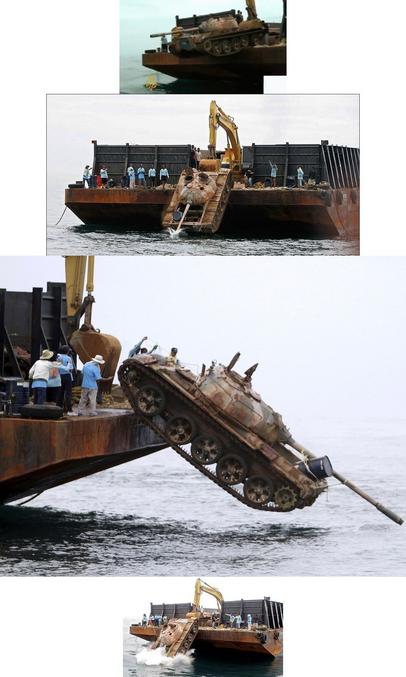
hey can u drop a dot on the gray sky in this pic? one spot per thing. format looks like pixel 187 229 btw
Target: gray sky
pixel 328 333
pixel 181 589
pixel 140 18
pixel 74 120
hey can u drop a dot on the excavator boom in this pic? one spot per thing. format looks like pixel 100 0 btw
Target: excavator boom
pixel 200 587
pixel 218 118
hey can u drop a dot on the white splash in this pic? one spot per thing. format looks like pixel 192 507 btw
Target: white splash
pixel 158 657
pixel 176 233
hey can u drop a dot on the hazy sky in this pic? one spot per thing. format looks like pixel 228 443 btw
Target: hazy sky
pixel 74 120
pixel 181 589
pixel 328 333
pixel 138 18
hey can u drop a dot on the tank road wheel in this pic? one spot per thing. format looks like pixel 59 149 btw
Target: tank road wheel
pixel 231 469
pixel 257 490
pixel 285 498
pixel 226 47
pixel 150 400
pixel 207 46
pixel 244 42
pixel 180 429
pixel 216 49
pixel 236 45
pixel 206 450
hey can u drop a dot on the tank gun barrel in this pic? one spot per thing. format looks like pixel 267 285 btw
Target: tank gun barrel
pixel 349 484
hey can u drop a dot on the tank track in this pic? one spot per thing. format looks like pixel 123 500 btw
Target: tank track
pixel 200 414
pixel 232 43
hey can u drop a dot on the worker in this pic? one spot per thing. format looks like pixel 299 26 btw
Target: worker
pixel 300 175
pixel 125 181
pixel 54 381
pixel 104 176
pixel 163 176
pixel 249 177
pixel 91 378
pixel 40 374
pixel 141 176
pixel 144 620
pixel 274 172
pixel 172 357
pixel 164 43
pixel 152 177
pixel 137 348
pixel 249 621
pixel 87 177
pixel 131 176
pixel 238 621
pixel 193 158
pixel 66 369
pixel 198 154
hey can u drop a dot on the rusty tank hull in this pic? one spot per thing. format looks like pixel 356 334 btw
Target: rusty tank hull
pixel 258 643
pixel 36 455
pixel 237 441
pixel 270 212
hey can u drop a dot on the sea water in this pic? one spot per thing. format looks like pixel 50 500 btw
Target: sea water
pixel 159 516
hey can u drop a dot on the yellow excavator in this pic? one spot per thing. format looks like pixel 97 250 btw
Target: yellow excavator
pixel 232 156
pixel 85 340
pixel 200 587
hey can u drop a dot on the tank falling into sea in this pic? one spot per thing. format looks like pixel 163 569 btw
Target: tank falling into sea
pixel 236 439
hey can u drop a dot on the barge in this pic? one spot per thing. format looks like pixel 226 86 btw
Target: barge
pixel 327 205
pixel 250 628
pixel 36 455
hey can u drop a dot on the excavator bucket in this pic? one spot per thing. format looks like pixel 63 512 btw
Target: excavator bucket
pixel 88 343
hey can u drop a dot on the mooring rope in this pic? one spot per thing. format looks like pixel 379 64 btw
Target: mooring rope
pixel 61 216
pixel 31 498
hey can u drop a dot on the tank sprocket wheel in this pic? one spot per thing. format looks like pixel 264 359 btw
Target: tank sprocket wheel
pixel 285 498
pixel 150 400
pixel 180 429
pixel 206 450
pixel 231 469
pixel 258 490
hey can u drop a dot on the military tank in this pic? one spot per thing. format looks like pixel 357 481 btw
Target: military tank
pixel 221 36
pixel 218 423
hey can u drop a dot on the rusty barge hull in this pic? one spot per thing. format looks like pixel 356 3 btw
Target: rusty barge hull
pixel 272 212
pixel 36 455
pixel 252 63
pixel 210 640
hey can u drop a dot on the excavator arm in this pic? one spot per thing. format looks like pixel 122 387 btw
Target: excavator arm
pixel 200 587
pixel 251 10
pixel 217 118
pixel 76 305
pixel 86 341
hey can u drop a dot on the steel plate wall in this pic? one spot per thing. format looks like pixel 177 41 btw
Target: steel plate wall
pixel 118 158
pixel 338 165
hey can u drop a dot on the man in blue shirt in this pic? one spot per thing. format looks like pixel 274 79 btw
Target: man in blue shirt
pixel 91 376
pixel 141 176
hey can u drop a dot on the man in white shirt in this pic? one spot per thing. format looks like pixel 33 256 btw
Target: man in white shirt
pixel 87 174
pixel 131 176
pixel 152 177
pixel 163 176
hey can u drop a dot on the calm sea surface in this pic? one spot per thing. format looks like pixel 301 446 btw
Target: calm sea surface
pixel 195 666
pixel 159 516
pixel 70 237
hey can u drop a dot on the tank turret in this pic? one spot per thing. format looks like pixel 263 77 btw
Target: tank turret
pixel 217 422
